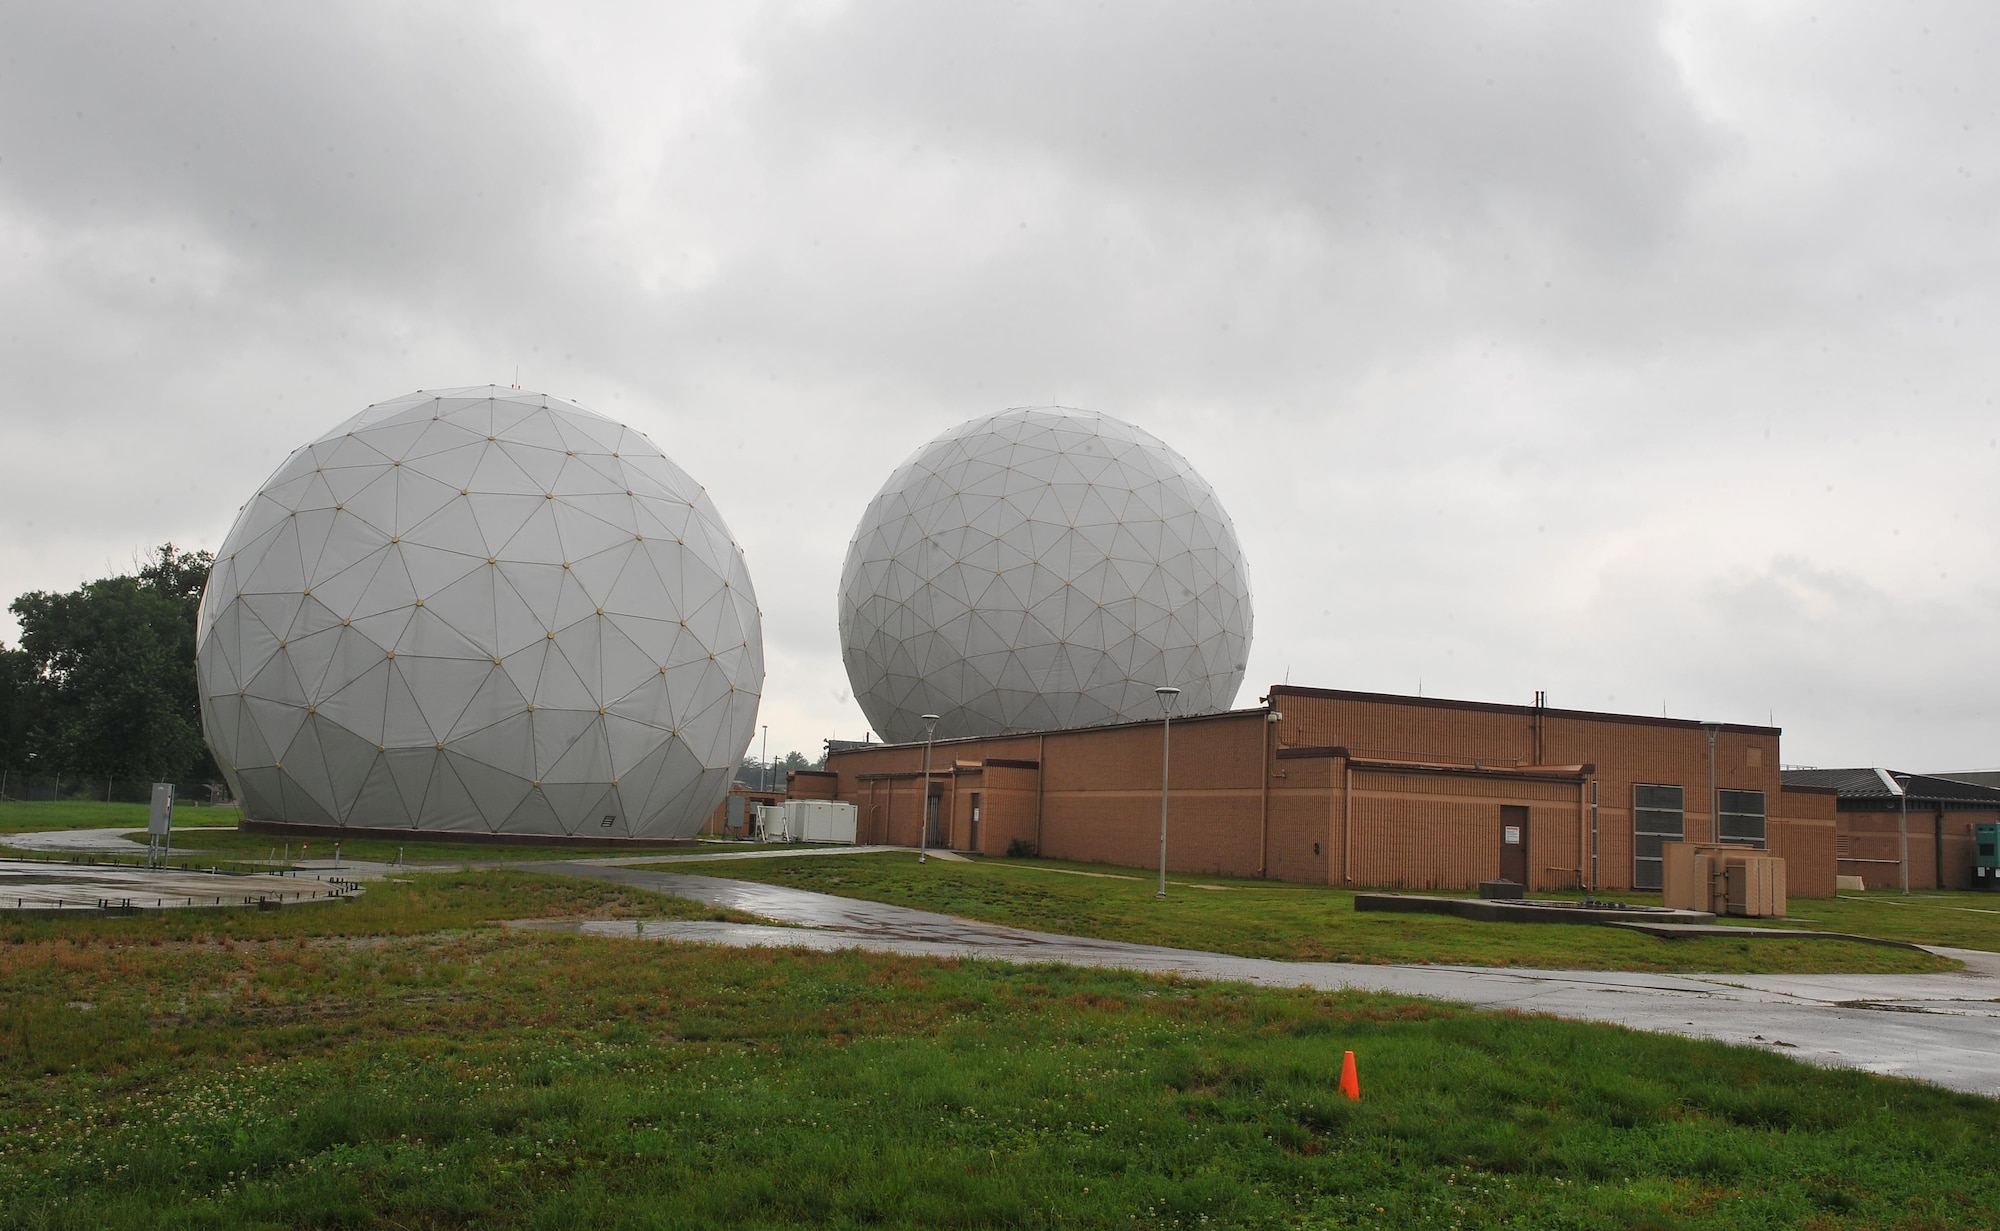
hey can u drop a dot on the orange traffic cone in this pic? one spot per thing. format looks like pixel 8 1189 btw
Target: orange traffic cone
pixel 1350 1083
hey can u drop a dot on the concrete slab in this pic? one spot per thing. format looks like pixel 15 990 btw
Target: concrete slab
pixel 69 888
pixel 1938 1028
pixel 1686 931
pixel 1524 910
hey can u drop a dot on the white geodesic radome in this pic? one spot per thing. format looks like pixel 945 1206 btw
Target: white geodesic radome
pixel 480 610
pixel 1041 568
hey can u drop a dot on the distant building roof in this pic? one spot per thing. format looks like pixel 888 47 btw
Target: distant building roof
pixel 1977 777
pixel 1866 784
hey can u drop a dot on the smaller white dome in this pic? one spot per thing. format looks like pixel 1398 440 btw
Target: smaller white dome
pixel 1040 568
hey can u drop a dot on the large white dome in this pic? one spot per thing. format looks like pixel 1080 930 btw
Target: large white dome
pixel 480 610
pixel 1042 567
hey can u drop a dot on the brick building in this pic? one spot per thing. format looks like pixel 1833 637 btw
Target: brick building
pixel 1332 787
pixel 1871 821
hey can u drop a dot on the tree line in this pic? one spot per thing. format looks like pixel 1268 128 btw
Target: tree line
pixel 102 684
pixel 755 774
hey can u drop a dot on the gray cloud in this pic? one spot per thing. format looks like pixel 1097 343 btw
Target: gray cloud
pixel 1639 353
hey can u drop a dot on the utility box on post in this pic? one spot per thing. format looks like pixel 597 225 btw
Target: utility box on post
pixel 160 825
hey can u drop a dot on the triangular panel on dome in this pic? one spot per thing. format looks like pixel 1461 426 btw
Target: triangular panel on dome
pixel 347 759
pixel 537 585
pixel 496 791
pixel 453 528
pixel 580 807
pixel 404 723
pixel 629 742
pixel 469 608
pixel 309 658
pixel 354 658
pixel 428 636
pixel 587 759
pixel 260 794
pixel 298 805
pixel 555 732
pixel 596 575
pixel 532 815
pixel 411 769
pixel 497 699
pixel 448 806
pixel 341 589
pixel 377 803
pixel 562 683
pixel 508 744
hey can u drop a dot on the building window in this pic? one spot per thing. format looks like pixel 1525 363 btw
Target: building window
pixel 1657 818
pixel 1743 817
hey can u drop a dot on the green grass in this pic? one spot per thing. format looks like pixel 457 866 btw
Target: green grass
pixel 24 816
pixel 484 1078
pixel 1288 922
pixel 1926 917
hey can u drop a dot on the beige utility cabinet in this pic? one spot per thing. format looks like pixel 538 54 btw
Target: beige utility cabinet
pixel 1725 880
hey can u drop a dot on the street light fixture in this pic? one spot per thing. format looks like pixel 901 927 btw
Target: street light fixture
pixel 924 808
pixel 1714 798
pixel 1166 696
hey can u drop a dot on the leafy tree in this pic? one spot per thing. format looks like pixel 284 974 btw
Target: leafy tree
pixel 109 677
pixel 17 717
pixel 751 772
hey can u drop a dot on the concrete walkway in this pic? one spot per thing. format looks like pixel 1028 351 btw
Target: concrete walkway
pixel 1942 1028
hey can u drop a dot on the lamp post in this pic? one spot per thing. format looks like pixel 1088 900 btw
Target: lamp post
pixel 924 808
pixel 1166 696
pixel 1714 800
pixel 766 775
pixel 1903 832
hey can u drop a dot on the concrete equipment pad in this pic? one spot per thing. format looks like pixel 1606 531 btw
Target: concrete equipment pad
pixel 102 889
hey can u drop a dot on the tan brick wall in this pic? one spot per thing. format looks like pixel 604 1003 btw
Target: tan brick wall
pixel 1238 807
pixel 1442 831
pixel 1626 750
pixel 1871 847
pixel 811 784
pixel 1305 820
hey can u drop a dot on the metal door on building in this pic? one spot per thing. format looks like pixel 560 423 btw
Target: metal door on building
pixel 1514 844
pixel 931 805
pixel 973 845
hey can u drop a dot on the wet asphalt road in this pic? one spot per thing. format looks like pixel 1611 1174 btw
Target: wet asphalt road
pixel 1942 1028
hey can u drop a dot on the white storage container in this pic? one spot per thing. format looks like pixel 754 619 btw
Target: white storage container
pixel 821 820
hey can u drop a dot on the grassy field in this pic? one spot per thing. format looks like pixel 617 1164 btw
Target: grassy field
pixel 467 1076
pixel 1960 920
pixel 1288 922
pixel 22 816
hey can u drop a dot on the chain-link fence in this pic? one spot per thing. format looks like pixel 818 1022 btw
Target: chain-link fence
pixel 45 788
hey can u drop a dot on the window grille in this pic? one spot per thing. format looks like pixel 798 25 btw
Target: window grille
pixel 1743 817
pixel 1657 818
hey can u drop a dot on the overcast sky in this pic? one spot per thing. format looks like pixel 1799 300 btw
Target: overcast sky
pixel 1641 353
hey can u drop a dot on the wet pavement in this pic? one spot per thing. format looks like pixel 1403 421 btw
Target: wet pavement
pixel 1942 1028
